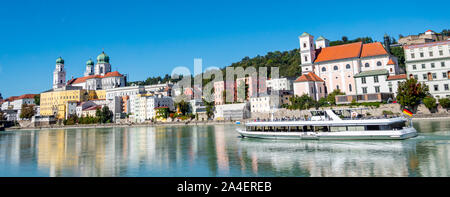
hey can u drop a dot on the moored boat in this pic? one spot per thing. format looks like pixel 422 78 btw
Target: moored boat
pixel 326 124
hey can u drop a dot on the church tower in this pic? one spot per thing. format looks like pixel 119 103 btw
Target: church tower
pixel 59 75
pixel 307 52
pixel 387 43
pixel 322 42
pixel 89 68
pixel 102 67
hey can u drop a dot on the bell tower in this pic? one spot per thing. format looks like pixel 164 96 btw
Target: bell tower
pixel 102 67
pixel 59 75
pixel 89 68
pixel 307 52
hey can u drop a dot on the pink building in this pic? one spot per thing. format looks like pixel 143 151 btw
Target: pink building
pixel 309 84
pixel 337 65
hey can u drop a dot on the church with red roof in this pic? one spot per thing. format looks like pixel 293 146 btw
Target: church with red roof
pixel 346 67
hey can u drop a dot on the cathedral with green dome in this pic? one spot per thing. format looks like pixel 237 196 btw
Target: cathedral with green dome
pixel 98 76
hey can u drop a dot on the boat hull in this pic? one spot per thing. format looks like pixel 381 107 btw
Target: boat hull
pixel 404 133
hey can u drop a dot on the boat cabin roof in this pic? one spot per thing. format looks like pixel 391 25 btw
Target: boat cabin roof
pixel 354 122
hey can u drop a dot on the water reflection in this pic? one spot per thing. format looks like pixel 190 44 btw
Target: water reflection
pixel 217 151
pixel 332 158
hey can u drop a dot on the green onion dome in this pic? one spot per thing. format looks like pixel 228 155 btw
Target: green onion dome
pixel 103 58
pixel 60 60
pixel 90 62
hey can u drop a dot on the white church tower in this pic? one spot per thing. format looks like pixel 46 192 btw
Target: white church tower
pixel 322 42
pixel 89 68
pixel 59 75
pixel 307 52
pixel 102 67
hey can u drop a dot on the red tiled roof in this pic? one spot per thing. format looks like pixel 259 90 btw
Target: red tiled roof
pixel 309 77
pixel 83 79
pixel 390 62
pixel 113 74
pixel 11 98
pixel 161 107
pixel 352 50
pixel 395 77
pixel 95 107
pixel 25 96
pixel 339 52
pixel 373 49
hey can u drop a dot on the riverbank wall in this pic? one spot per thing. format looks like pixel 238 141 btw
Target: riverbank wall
pixel 110 125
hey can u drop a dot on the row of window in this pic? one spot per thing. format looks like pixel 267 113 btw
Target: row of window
pixel 431 76
pixel 324 69
pixel 430 54
pixel 432 65
pixel 375 79
pixel 436 87
pixel 377 89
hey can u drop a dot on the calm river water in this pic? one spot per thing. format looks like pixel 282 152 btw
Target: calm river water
pixel 217 151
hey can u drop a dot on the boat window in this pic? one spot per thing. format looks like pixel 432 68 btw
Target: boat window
pixel 373 127
pixel 321 128
pixel 397 125
pixel 307 128
pixel 355 128
pixel 318 113
pixel 337 129
pixel 295 129
pixel 269 128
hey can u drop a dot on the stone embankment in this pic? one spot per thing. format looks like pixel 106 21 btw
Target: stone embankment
pixel 25 126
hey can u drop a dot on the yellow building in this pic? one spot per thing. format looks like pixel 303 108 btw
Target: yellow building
pixel 56 102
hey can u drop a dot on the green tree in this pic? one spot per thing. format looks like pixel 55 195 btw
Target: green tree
pixel 183 106
pixel 2 116
pixel 445 103
pixel 430 102
pixel 410 93
pixel 209 108
pixel 331 98
pixel 106 115
pixel 37 99
pixel 162 112
pixel 399 53
pixel 27 111
pixel 301 102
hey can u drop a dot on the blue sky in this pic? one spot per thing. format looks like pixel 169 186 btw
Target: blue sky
pixel 150 38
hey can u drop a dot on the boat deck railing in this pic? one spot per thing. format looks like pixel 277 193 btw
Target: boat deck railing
pixel 322 119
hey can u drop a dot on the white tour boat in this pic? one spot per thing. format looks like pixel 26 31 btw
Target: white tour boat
pixel 331 124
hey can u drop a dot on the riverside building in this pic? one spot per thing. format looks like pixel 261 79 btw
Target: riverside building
pixel 327 68
pixel 430 63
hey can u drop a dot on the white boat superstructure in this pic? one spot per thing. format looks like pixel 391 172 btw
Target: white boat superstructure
pixel 327 124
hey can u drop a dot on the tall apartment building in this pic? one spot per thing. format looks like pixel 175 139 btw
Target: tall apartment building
pixel 143 106
pixel 430 63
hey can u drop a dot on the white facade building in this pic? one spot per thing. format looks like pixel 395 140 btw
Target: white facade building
pixel 370 82
pixel 430 63
pixel 100 76
pixel 236 111
pixel 265 103
pixel 143 106
pixel 279 84
pixel 337 65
